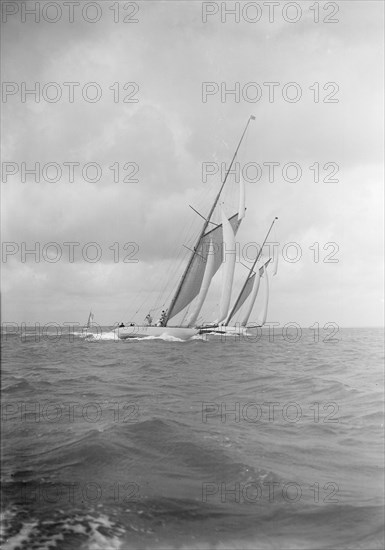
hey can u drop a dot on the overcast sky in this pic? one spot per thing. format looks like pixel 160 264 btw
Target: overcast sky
pixel 169 132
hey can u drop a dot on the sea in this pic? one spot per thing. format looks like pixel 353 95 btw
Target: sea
pixel 271 441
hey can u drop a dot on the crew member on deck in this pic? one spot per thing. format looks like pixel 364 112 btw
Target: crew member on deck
pixel 121 325
pixel 149 319
pixel 162 319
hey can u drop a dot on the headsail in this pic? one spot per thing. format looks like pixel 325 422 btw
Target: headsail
pixel 241 297
pixel 194 276
pixel 254 294
pixel 209 273
pixel 228 267
pixel 90 319
pixel 245 293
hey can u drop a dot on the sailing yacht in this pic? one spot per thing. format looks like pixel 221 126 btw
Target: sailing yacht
pixel 205 259
pixel 86 331
pixel 90 319
pixel 249 288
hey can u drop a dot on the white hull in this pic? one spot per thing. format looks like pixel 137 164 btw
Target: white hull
pixel 139 331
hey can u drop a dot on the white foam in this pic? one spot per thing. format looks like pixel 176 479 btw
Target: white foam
pixel 21 537
pixel 202 337
pixel 106 336
pixel 96 336
pixel 31 533
pixel 97 541
pixel 164 336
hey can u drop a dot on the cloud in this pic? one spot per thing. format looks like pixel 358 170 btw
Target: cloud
pixel 170 132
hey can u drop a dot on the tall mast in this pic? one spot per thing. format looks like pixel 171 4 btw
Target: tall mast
pixel 249 275
pixel 206 223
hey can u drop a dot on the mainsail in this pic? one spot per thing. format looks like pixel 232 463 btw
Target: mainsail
pixel 209 273
pixel 90 319
pixel 256 279
pixel 228 267
pixel 245 293
pixel 254 294
pixel 194 276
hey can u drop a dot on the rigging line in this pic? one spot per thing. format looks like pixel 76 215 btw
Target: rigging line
pixel 177 268
pixel 141 306
pixel 244 265
pixel 140 302
pixel 173 286
pixel 139 299
pixel 199 214
pixel 195 252
pixel 166 277
pixel 180 258
pixel 188 229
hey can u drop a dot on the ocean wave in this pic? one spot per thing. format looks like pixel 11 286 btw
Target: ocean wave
pixel 152 432
pixel 18 385
pixel 183 524
pixel 87 532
